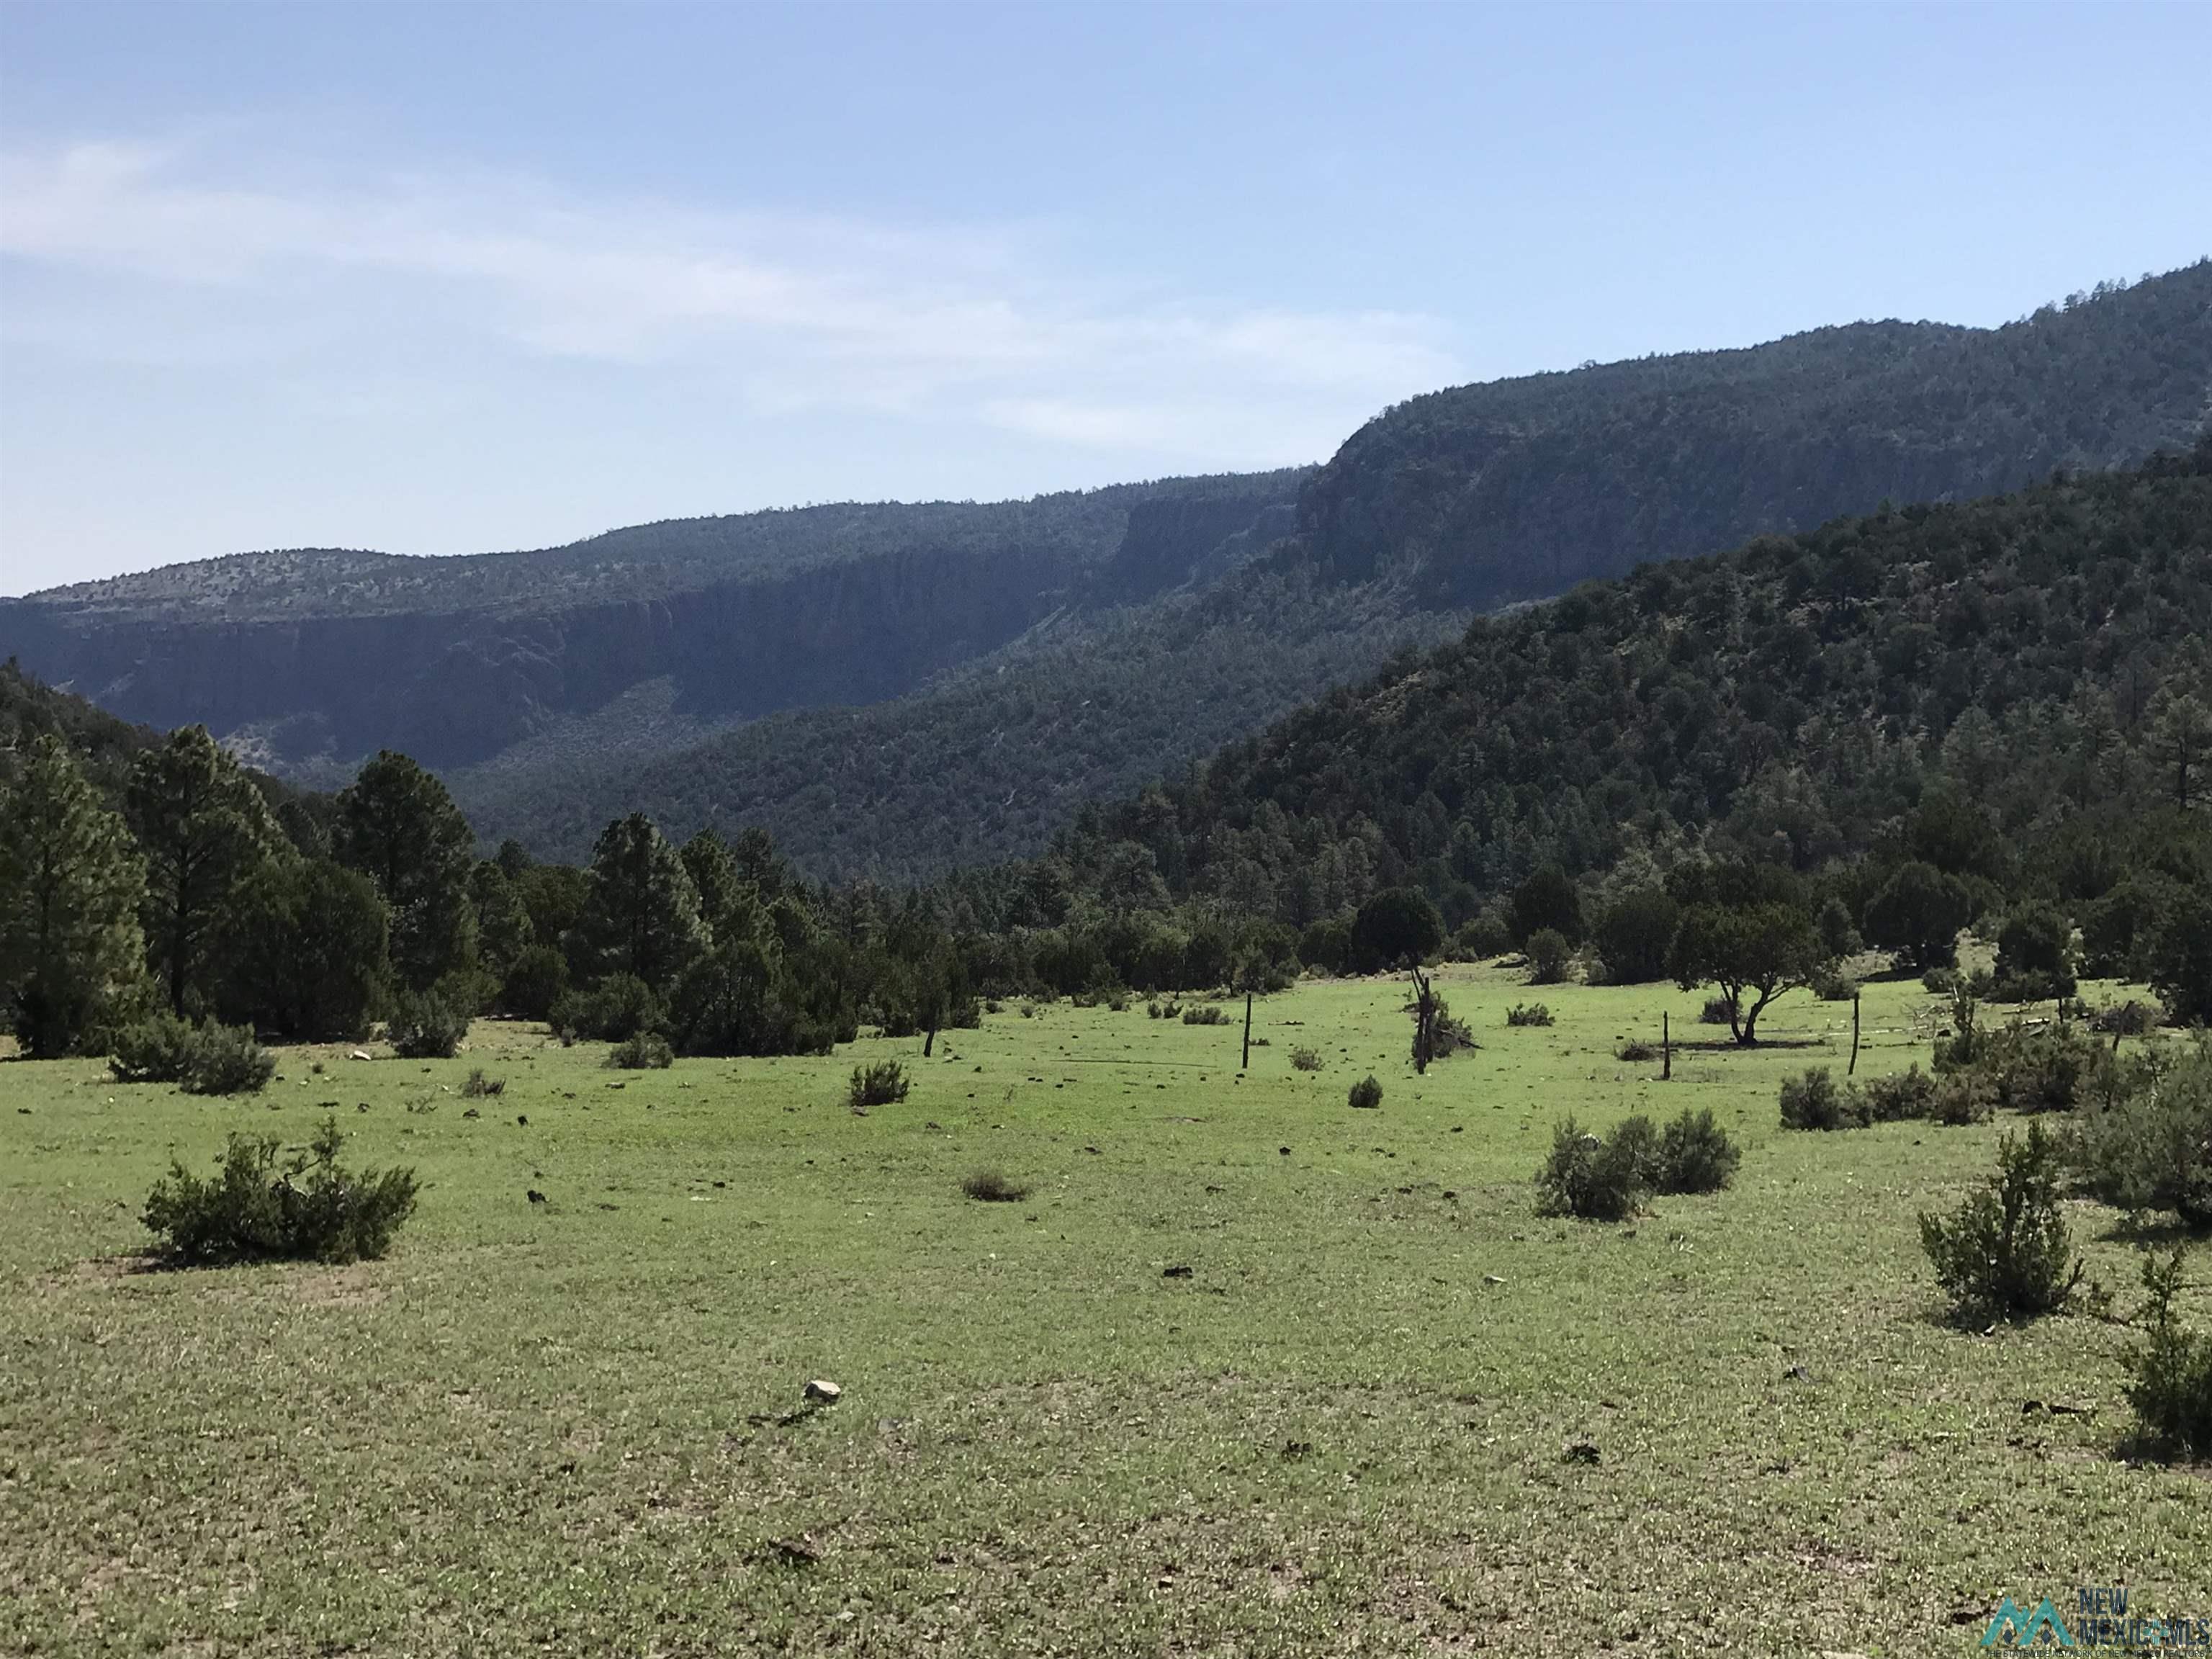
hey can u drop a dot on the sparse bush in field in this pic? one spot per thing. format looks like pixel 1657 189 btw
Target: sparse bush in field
pixel 2172 1392
pixel 1305 1059
pixel 1695 1155
pixel 2145 1142
pixel 1815 1102
pixel 1366 1094
pixel 1549 956
pixel 1635 1050
pixel 1941 982
pixel 1118 1003
pixel 1963 1042
pixel 481 1086
pixel 1207 1015
pixel 1717 1010
pixel 1960 1098
pixel 1448 1034
pixel 307 1208
pixel 616 1008
pixel 882 1084
pixel 1528 1013
pixel 425 1026
pixel 991 1187
pixel 1595 1179
pixel 1830 985
pixel 1892 1099
pixel 648 1051
pixel 2039 1068
pixel 202 1059
pixel 1028 1011
pixel 992 1005
pixel 2004 1252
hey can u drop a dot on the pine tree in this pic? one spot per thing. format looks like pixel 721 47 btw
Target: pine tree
pixel 397 825
pixel 205 833
pixel 70 884
pixel 642 917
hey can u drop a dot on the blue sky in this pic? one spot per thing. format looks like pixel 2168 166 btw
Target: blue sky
pixel 460 277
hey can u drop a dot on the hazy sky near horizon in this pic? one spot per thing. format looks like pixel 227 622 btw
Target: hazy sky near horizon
pixel 452 278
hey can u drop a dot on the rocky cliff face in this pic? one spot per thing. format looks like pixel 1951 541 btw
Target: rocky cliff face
pixel 454 687
pixel 1516 489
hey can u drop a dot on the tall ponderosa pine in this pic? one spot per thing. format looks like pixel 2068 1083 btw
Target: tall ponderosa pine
pixel 642 917
pixel 205 833
pixel 397 825
pixel 70 885
pixel 503 926
pixel 722 888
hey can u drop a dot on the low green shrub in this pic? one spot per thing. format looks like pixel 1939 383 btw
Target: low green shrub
pixel 306 1208
pixel 1815 1101
pixel 2145 1143
pixel 425 1026
pixel 1892 1099
pixel 2171 1373
pixel 481 1086
pixel 1695 1155
pixel 882 1084
pixel 1960 1098
pixel 1832 985
pixel 1528 1013
pixel 1209 1014
pixel 1366 1094
pixel 1549 956
pixel 1635 1050
pixel 1305 1059
pixel 647 1051
pixel 1717 1010
pixel 2005 1252
pixel 618 1008
pixel 202 1058
pixel 1597 1179
pixel 991 1187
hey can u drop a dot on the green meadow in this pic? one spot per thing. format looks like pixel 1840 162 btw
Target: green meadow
pixel 1388 1409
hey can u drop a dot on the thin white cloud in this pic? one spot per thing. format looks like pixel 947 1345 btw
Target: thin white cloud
pixel 977 324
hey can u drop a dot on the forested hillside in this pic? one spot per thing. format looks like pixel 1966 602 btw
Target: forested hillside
pixel 901 690
pixel 1519 488
pixel 2012 690
pixel 1736 770
pixel 309 660
pixel 987 763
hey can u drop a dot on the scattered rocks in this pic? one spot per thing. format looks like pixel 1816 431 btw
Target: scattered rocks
pixel 361 1054
pixel 537 1197
pixel 823 1392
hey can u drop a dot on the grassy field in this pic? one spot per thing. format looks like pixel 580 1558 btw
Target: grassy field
pixel 577 1427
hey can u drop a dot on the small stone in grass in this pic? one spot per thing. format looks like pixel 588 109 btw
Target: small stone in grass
pixel 823 1392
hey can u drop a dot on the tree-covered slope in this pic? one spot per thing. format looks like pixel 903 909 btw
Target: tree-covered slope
pixel 1791 700
pixel 1516 489
pixel 308 661
pixel 987 761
